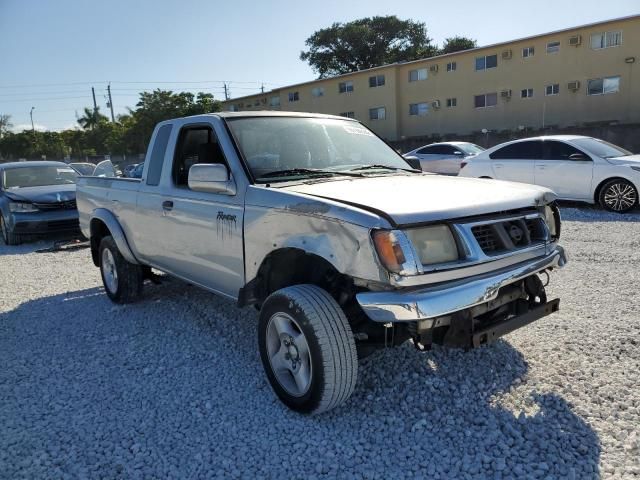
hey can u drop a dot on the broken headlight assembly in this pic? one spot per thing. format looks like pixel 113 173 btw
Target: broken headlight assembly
pixel 552 219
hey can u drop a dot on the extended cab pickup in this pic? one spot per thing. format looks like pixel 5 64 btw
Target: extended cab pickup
pixel 331 235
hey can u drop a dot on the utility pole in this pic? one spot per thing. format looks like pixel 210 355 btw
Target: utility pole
pixel 113 118
pixel 226 92
pixel 95 105
pixel 33 129
pixel 262 88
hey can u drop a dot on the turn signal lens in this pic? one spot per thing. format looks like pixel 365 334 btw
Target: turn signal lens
pixel 389 250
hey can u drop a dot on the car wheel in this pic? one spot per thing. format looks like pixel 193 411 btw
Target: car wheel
pixel 122 280
pixel 8 236
pixel 307 349
pixel 618 195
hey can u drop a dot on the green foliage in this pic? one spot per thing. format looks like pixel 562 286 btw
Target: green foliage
pixel 128 135
pixel 366 43
pixel 457 44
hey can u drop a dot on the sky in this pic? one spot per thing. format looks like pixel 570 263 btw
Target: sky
pixel 53 51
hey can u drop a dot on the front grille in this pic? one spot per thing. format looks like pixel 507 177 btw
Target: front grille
pixel 68 205
pixel 509 235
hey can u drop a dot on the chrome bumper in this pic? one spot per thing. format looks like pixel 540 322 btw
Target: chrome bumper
pixel 420 304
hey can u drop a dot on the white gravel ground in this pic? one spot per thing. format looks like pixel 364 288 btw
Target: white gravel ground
pixel 172 387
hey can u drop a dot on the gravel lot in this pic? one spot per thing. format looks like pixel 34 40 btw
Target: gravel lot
pixel 172 387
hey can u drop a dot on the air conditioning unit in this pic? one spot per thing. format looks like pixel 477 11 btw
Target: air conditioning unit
pixel 506 55
pixel 505 93
pixel 574 86
pixel 433 68
pixel 435 104
pixel 575 40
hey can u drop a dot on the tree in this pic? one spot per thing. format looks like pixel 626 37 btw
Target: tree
pixel 366 43
pixel 5 124
pixel 457 44
pixel 91 118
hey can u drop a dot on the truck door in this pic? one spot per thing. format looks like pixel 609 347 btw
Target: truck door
pixel 196 235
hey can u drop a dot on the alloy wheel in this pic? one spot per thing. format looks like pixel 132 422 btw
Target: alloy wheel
pixel 109 271
pixel 620 196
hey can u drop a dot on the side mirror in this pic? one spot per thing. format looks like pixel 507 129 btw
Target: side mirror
pixel 212 178
pixel 414 162
pixel 578 156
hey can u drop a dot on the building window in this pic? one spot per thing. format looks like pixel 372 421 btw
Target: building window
pixel 553 47
pixel 602 86
pixel 606 40
pixel 486 62
pixel 486 100
pixel 451 67
pixel 419 74
pixel 452 102
pixel 553 89
pixel 528 52
pixel 294 96
pixel 275 101
pixel 526 93
pixel 376 81
pixel 345 87
pixel 378 113
pixel 317 91
pixel 348 114
pixel 420 109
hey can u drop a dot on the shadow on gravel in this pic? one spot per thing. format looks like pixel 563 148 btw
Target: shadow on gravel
pixel 172 386
pixel 581 212
pixel 32 244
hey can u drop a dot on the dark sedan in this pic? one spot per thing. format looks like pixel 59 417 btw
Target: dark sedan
pixel 37 198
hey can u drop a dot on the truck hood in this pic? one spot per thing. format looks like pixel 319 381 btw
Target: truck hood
pixel 44 194
pixel 411 199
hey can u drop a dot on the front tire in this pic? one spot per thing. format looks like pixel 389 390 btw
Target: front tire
pixel 122 280
pixel 618 195
pixel 8 236
pixel 307 349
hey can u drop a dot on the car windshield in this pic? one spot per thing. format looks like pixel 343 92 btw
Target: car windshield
pixel 285 148
pixel 470 148
pixel 20 177
pixel 84 168
pixel 601 148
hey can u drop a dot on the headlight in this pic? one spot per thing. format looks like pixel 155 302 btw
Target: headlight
pixel 434 244
pixel 22 207
pixel 552 218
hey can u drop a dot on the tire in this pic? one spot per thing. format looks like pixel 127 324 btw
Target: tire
pixel 9 237
pixel 306 315
pixel 618 195
pixel 122 280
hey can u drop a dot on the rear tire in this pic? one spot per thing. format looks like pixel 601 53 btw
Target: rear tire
pixel 8 236
pixel 618 195
pixel 122 280
pixel 307 349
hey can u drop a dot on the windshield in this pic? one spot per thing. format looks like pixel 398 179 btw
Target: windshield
pixel 601 148
pixel 307 147
pixel 470 148
pixel 84 168
pixel 21 177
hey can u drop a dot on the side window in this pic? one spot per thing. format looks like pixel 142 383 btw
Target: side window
pixel 530 150
pixel 425 151
pixel 157 155
pixel 559 150
pixel 196 144
pixel 448 150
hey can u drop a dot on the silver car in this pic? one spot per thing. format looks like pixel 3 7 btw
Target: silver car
pixel 445 157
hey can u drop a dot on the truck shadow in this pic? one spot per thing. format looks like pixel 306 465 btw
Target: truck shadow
pixel 185 354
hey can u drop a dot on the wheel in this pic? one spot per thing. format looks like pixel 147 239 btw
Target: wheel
pixel 307 349
pixel 122 280
pixel 9 237
pixel 618 195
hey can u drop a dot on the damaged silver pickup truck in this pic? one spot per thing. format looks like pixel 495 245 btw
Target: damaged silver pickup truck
pixel 340 244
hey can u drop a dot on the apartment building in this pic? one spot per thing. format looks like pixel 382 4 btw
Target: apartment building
pixel 577 76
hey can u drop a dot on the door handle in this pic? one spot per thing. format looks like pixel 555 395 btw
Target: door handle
pixel 498 165
pixel 167 205
pixel 541 167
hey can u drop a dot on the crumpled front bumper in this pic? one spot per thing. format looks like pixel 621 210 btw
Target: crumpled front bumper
pixel 39 223
pixel 407 305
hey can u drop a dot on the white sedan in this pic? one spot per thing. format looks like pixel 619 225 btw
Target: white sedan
pixel 445 157
pixel 576 168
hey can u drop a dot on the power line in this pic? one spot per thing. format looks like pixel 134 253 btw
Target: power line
pixel 105 82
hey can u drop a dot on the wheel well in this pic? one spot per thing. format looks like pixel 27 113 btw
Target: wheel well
pixel 292 266
pixel 596 195
pixel 98 231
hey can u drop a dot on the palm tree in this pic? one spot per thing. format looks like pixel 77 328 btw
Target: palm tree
pixel 5 124
pixel 91 118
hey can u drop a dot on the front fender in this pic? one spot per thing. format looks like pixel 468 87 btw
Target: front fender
pixel 115 230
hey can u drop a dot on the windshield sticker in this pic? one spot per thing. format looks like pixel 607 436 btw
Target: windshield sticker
pixel 358 131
